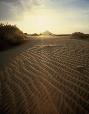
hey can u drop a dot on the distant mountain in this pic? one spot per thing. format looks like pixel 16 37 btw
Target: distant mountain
pixel 46 33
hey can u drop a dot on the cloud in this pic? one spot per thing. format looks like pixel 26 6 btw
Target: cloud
pixel 79 4
pixel 4 11
pixel 12 9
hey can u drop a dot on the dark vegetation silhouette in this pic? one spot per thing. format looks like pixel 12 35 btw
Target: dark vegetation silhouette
pixel 34 34
pixel 10 35
pixel 46 33
pixel 79 35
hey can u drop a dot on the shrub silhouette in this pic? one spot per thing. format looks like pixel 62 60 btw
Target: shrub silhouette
pixel 10 35
pixel 79 35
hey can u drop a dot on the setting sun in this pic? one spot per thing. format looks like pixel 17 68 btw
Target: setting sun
pixel 38 21
pixel 42 21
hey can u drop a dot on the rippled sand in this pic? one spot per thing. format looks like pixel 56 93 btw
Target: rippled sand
pixel 50 78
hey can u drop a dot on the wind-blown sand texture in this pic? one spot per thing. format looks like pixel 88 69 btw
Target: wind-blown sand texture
pixel 51 78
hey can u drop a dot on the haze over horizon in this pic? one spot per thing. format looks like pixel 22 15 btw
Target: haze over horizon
pixel 36 16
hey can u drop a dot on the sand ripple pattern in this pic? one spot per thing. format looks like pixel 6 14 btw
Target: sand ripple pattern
pixel 47 79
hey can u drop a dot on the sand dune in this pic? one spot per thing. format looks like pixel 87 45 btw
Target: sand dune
pixel 49 78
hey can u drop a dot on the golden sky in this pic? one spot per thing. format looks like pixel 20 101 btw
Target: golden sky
pixel 57 16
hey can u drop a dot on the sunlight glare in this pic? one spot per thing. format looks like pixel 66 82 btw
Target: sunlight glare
pixel 38 22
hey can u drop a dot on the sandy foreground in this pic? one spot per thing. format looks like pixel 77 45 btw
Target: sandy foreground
pixel 49 77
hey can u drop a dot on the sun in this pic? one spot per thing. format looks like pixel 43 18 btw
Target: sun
pixel 37 22
pixel 42 21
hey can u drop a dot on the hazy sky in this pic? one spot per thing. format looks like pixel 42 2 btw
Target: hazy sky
pixel 58 16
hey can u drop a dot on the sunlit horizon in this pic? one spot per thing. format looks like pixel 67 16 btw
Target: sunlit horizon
pixel 36 16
